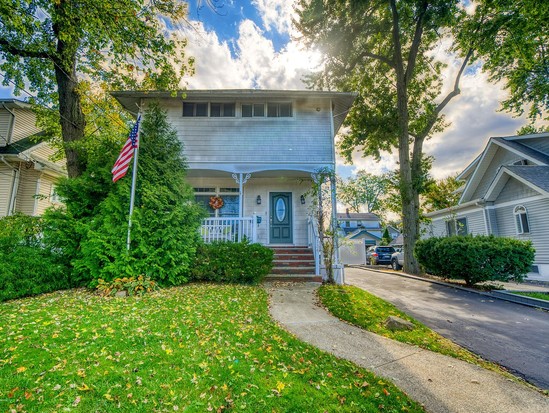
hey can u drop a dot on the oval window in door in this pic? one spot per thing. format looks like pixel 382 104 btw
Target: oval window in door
pixel 280 209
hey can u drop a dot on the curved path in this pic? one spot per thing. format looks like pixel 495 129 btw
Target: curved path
pixel 512 335
pixel 442 384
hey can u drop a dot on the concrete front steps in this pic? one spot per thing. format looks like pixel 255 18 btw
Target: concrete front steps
pixel 293 263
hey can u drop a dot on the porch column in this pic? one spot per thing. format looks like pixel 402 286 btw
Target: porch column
pixel 337 267
pixel 240 179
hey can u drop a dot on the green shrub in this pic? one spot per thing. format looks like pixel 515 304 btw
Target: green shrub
pixel 27 266
pixel 476 258
pixel 232 262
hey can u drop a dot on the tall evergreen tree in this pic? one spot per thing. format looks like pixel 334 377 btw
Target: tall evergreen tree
pixel 165 221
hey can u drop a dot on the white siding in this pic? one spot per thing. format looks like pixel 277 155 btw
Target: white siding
pixel 47 153
pixel 25 124
pixel 5 121
pixel 539 226
pixel 305 137
pixel 27 190
pixel 262 187
pixel 6 179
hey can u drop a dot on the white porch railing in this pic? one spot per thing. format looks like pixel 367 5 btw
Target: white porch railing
pixel 232 229
pixel 314 242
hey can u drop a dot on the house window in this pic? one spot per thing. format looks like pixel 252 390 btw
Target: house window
pixel 279 110
pixel 54 196
pixel 521 220
pixel 230 196
pixel 256 110
pixel 194 109
pixel 224 110
pixel 456 227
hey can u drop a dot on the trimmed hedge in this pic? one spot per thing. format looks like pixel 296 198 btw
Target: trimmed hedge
pixel 232 262
pixel 27 267
pixel 476 258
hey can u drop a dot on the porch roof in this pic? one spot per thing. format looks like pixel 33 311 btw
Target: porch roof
pixel 342 101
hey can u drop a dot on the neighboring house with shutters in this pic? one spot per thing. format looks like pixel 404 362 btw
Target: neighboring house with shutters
pixel 27 173
pixel 505 193
pixel 252 157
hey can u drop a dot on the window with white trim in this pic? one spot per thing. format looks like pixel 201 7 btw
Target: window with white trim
pixel 456 226
pixel 54 196
pixel 230 196
pixel 521 220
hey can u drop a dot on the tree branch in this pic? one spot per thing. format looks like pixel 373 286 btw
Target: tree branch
pixel 448 98
pixel 6 46
pixel 412 57
pixel 381 58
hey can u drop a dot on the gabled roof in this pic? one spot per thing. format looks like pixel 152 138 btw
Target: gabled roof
pixel 362 232
pixel 509 143
pixel 354 216
pixel 342 101
pixel 14 103
pixel 536 177
pixel 21 145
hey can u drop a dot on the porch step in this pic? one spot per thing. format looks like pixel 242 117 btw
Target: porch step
pixel 293 264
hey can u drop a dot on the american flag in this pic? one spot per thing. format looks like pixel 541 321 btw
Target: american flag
pixel 123 162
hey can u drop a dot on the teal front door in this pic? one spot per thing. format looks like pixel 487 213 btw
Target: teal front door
pixel 280 218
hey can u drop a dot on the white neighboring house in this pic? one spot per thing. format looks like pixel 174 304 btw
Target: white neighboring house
pixel 506 193
pixel 258 151
pixel 27 174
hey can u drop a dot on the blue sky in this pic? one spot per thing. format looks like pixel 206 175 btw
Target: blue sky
pixel 250 44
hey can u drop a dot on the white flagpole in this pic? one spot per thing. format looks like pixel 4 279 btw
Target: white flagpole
pixel 134 178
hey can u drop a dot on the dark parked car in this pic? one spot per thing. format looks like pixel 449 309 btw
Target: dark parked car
pixel 379 255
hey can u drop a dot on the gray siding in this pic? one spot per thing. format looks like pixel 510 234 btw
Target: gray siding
pixel 303 138
pixel 539 226
pixel 515 190
pixel 475 222
pixel 540 144
pixel 502 157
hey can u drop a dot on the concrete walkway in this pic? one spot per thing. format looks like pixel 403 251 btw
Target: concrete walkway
pixel 440 383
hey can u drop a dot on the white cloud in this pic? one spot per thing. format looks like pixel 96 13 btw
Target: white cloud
pixel 256 65
pixel 275 14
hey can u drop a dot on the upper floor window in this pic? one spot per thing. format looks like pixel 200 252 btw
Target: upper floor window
pixel 256 110
pixel 279 110
pixel 225 110
pixel 456 226
pixel 521 220
pixel 195 109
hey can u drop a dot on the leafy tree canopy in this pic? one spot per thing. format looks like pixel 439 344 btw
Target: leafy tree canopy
pixel 363 191
pixel 441 194
pixel 49 46
pixel 510 37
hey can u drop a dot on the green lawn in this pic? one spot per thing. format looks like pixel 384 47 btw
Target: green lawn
pixel 370 312
pixel 539 296
pixel 196 348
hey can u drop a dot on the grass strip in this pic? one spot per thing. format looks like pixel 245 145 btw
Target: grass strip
pixel 538 295
pixel 196 348
pixel 369 312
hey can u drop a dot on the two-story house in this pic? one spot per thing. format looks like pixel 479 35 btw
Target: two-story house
pixel 363 225
pixel 252 156
pixel 27 174
pixel 505 193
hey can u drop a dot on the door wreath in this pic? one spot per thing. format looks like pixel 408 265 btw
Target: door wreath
pixel 216 202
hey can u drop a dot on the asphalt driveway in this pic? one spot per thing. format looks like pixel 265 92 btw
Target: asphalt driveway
pixel 512 335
